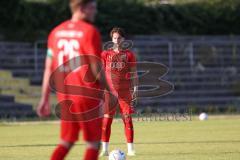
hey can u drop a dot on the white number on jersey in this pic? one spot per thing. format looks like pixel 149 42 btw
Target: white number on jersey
pixel 69 49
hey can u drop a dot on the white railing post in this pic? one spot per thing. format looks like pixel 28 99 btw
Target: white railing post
pixel 170 54
pixel 191 55
pixel 36 57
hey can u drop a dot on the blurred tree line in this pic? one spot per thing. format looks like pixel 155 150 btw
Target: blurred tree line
pixel 22 20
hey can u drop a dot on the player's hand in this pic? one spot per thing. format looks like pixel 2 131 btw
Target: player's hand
pixel 43 109
pixel 134 95
pixel 134 99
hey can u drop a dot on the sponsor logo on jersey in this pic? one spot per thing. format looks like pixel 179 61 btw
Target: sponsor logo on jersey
pixel 69 34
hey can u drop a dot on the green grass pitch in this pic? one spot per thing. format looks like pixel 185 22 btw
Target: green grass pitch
pixel 215 139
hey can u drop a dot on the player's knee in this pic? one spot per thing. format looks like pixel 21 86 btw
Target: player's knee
pixel 107 123
pixel 125 116
pixel 128 121
pixel 93 145
pixel 108 116
pixel 66 144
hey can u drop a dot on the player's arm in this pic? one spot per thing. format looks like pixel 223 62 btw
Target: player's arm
pixel 94 46
pixel 47 73
pixel 43 108
pixel 99 73
pixel 102 76
pixel 134 76
pixel 134 81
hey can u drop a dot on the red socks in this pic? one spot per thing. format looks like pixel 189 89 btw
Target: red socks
pixel 59 153
pixel 129 132
pixel 106 129
pixel 91 154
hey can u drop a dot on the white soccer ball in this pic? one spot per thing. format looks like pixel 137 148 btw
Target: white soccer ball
pixel 117 155
pixel 203 116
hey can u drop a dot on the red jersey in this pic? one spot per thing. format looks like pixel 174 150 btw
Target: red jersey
pixel 118 68
pixel 69 40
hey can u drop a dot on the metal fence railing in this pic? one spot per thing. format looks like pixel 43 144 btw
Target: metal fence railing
pixel 175 54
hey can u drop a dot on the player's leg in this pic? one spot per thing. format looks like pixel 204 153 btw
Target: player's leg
pixel 69 135
pixel 129 133
pixel 106 126
pixel 92 136
pixel 92 150
pixel 126 111
pixel 61 150
pixel 106 133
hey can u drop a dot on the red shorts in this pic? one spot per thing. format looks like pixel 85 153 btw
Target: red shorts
pixel 124 104
pixel 91 128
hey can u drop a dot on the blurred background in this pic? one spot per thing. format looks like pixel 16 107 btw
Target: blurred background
pixel 198 40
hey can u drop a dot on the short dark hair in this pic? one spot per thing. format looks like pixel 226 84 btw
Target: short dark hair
pixel 118 30
pixel 74 4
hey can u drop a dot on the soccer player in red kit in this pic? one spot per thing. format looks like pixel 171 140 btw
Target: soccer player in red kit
pixel 67 41
pixel 121 74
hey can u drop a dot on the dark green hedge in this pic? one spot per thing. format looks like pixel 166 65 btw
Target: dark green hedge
pixel 21 20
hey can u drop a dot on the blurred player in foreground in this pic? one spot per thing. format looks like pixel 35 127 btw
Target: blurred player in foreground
pixel 121 73
pixel 67 41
